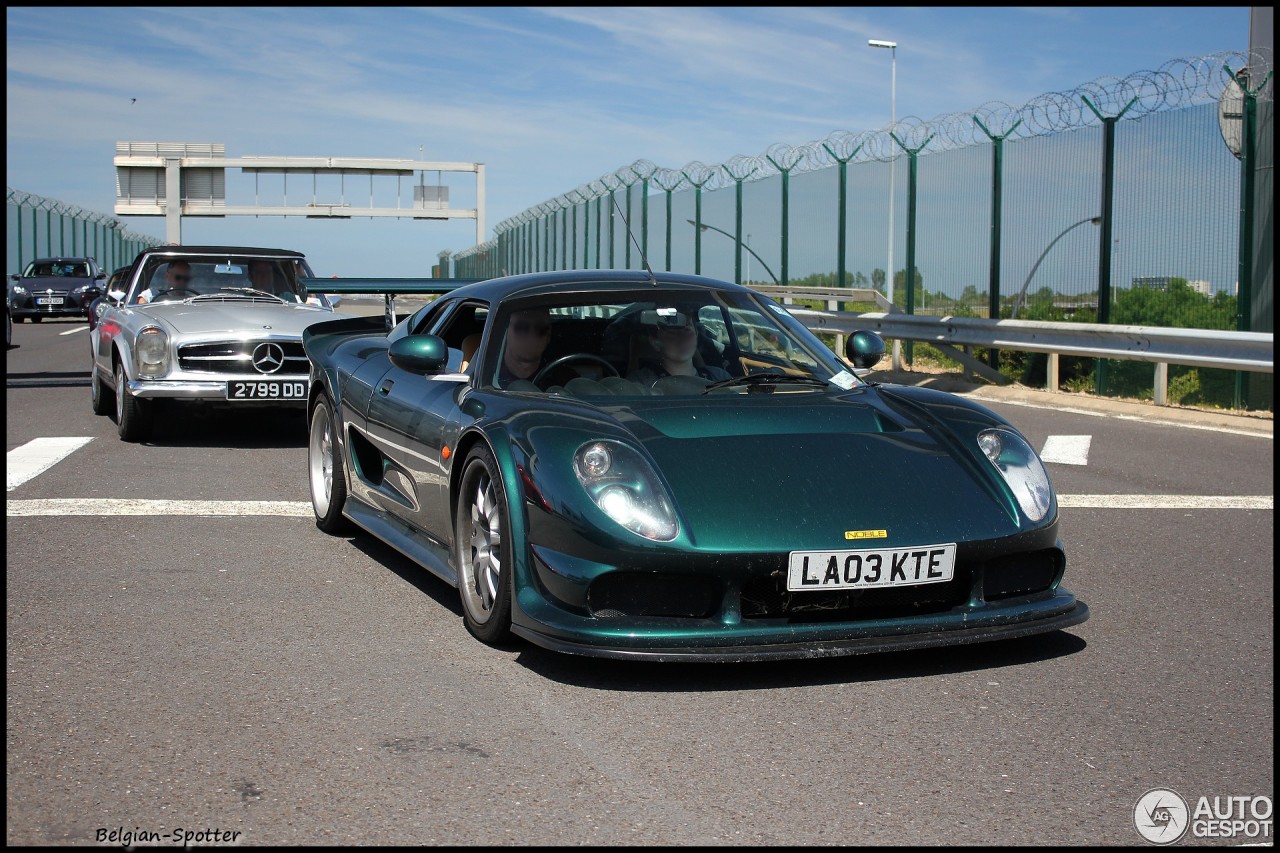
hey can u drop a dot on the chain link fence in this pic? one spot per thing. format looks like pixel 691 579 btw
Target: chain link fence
pixel 39 227
pixel 1118 201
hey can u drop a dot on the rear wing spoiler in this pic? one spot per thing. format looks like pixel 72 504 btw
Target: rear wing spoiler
pixel 388 288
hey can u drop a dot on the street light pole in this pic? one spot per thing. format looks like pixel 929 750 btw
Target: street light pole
pixel 705 226
pixel 893 170
pixel 1023 292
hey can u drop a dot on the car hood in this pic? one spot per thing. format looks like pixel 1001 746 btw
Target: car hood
pixel 765 472
pixel 235 317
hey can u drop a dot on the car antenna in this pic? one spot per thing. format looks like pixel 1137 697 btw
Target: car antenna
pixel 652 278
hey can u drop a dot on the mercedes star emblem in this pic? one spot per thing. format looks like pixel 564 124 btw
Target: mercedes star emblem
pixel 268 358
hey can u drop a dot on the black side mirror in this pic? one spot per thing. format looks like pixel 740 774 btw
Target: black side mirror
pixel 864 349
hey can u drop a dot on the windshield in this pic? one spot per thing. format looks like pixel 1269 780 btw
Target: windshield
pixel 672 342
pixel 57 269
pixel 170 279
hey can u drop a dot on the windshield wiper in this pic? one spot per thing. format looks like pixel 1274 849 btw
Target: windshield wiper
pixel 762 380
pixel 251 291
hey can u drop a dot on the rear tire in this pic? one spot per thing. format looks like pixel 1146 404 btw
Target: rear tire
pixel 483 549
pixel 133 416
pixel 326 473
pixel 36 318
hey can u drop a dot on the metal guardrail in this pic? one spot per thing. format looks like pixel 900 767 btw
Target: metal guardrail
pixel 1228 350
pixel 1249 351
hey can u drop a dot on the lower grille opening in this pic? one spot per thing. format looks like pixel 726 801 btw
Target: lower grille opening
pixel 618 594
pixel 769 598
pixel 1020 574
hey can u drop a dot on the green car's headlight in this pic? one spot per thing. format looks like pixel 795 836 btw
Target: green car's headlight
pixel 152 351
pixel 1021 469
pixel 626 489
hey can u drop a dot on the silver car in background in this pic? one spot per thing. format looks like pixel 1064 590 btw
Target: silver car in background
pixel 223 326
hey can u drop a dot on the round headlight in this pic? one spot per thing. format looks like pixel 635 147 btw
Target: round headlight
pixel 152 351
pixel 1021 468
pixel 593 461
pixel 991 445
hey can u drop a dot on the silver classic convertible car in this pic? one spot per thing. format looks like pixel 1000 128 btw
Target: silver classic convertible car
pixel 210 323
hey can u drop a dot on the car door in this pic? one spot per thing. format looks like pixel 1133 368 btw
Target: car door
pixel 408 419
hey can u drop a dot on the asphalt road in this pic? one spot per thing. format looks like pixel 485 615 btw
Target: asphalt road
pixel 250 674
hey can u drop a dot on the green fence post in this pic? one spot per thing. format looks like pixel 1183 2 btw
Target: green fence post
pixel 842 210
pixel 697 220
pixel 997 199
pixel 667 181
pixel 786 214
pixel 910 277
pixel 1244 264
pixel 737 220
pixel 1104 236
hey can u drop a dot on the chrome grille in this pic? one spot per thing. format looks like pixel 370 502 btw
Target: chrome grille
pixel 237 357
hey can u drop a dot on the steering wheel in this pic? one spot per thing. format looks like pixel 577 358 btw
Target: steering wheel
pixel 565 359
pixel 169 290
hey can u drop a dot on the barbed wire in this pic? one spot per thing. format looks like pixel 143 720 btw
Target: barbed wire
pixel 1176 84
pixel 19 198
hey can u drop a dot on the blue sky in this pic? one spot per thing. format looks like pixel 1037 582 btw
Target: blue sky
pixel 547 98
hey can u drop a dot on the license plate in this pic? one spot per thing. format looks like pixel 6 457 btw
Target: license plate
pixel 267 389
pixel 871 569
pixel 49 300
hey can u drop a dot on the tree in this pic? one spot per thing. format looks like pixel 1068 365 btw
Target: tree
pixel 877 279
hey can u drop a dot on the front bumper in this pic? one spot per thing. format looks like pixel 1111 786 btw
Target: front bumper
pixel 704 607
pixel 209 390
pixel 737 643
pixel 25 307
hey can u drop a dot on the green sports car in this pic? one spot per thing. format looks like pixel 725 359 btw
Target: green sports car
pixel 671 467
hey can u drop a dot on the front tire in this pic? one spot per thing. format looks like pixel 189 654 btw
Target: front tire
pixel 133 416
pixel 102 398
pixel 483 549
pixel 325 471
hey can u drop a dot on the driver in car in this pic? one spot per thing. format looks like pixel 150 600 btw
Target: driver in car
pixel 176 277
pixel 528 333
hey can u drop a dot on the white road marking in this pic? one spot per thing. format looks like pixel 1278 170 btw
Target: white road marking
pixel 128 506
pixel 1167 501
pixel 38 455
pixel 1143 418
pixel 1066 449
pixel 73 331
pixel 302 509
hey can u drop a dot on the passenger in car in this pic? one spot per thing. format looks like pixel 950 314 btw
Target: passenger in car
pixel 673 338
pixel 262 275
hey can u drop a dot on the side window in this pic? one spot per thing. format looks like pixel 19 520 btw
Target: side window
pixel 462 330
pixel 428 315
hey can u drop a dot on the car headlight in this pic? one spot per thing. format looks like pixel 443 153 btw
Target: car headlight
pixel 19 289
pixel 151 350
pixel 626 489
pixel 1021 469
